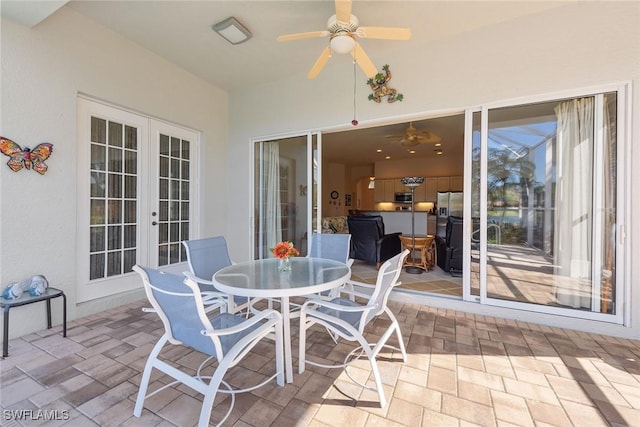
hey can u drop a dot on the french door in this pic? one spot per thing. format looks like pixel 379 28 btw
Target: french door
pixel 135 196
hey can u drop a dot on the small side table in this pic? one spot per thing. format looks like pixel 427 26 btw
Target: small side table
pixel 48 295
pixel 427 247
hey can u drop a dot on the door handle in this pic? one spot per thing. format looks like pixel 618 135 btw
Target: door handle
pixel 154 223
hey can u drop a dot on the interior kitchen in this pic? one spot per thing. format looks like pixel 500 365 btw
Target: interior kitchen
pixel 363 168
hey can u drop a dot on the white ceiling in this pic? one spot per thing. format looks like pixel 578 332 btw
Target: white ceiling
pixel 180 31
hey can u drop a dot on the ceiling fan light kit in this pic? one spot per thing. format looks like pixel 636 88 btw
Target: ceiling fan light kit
pixel 342 43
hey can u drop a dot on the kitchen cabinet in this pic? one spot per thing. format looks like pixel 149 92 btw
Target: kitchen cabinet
pixel 365 195
pixel 399 187
pixel 444 183
pixel 431 224
pixel 431 189
pixel 389 190
pixel 456 183
pixel 385 190
pixel 379 191
pixel 420 193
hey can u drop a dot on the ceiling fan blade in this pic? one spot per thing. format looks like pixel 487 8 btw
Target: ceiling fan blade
pixel 320 62
pixel 363 61
pixel 410 143
pixel 386 33
pixel 343 10
pixel 298 36
pixel 429 137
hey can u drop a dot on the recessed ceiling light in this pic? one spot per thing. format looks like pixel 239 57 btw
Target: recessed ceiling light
pixel 378 150
pixel 438 145
pixel 388 157
pixel 412 151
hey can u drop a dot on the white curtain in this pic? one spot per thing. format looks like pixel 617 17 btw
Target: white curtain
pixel 574 190
pixel 272 213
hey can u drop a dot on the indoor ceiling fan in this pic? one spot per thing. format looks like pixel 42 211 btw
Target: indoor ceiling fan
pixel 343 29
pixel 412 137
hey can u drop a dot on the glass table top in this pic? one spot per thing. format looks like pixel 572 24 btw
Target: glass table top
pixel 262 277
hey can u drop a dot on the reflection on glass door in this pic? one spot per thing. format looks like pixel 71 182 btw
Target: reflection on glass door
pixel 173 198
pixel 544 206
pixel 113 211
pixel 281 194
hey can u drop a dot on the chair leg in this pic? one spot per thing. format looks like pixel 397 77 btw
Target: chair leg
pixel 144 382
pixel 302 342
pixel 279 354
pixel 210 395
pixel 371 355
pixel 396 326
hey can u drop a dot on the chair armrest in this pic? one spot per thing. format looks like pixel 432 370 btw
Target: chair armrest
pixel 345 289
pixel 244 325
pixel 389 246
pixel 333 306
pixel 197 279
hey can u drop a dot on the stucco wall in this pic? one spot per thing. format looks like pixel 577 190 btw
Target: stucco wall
pixel 43 70
pixel 580 45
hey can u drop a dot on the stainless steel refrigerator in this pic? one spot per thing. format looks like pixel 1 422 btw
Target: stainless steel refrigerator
pixel 449 203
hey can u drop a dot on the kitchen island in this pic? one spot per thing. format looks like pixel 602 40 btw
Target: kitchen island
pixel 400 221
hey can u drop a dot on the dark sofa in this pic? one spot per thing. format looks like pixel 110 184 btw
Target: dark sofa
pixel 369 242
pixel 449 247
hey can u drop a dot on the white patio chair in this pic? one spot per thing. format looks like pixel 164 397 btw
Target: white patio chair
pixel 224 337
pixel 205 257
pixel 331 246
pixel 348 319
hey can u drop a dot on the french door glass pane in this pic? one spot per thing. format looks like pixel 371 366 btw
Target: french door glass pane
pixel 551 206
pixel 112 198
pixel 173 192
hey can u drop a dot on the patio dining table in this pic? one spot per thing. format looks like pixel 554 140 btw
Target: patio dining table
pixel 262 279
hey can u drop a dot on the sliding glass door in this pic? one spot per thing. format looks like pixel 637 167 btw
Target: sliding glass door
pixel 545 206
pixel 286 173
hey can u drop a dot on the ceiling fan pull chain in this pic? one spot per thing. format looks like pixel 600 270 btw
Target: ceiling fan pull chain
pixel 354 121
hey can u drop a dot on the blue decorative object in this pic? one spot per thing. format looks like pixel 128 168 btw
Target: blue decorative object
pixel 35 286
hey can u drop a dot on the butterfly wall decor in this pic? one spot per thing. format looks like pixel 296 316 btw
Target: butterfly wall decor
pixel 26 157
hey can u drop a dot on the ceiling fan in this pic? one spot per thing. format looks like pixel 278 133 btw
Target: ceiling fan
pixel 343 29
pixel 412 137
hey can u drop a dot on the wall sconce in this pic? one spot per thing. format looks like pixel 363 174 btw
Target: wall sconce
pixel 232 31
pixel 372 182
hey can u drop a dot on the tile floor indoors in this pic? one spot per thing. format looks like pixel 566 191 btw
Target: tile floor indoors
pixel 462 370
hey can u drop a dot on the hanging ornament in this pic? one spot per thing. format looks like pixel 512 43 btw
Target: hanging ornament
pixel 380 89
